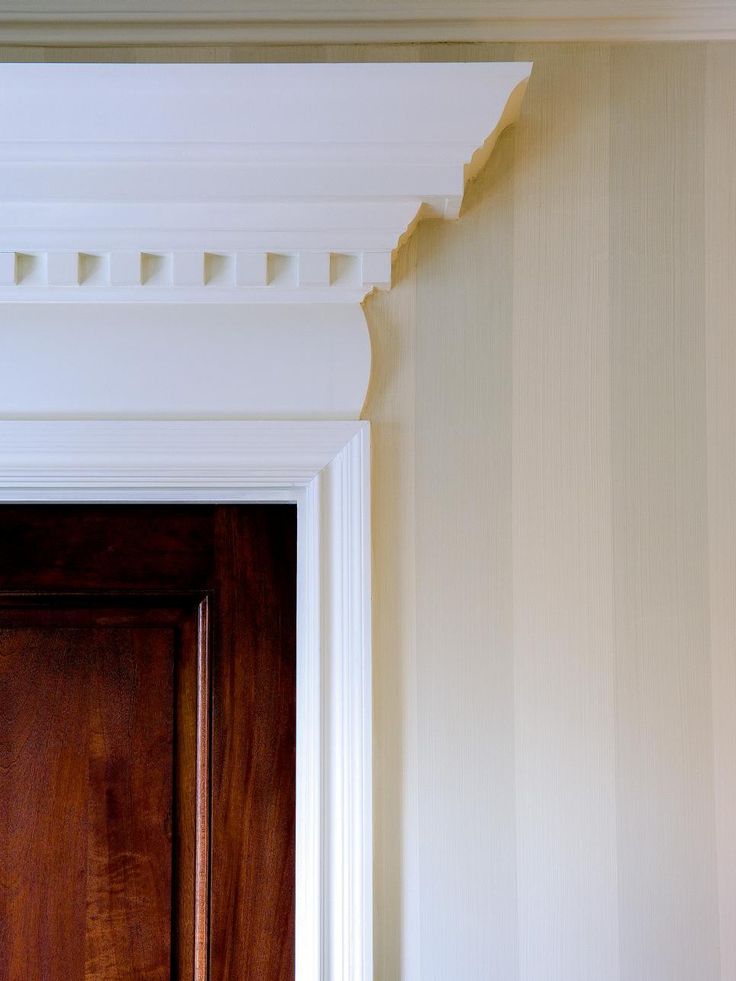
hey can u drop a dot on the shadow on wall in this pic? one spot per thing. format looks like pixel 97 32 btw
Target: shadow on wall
pixel 432 274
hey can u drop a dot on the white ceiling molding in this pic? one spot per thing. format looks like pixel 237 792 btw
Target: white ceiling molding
pixel 232 183
pixel 195 241
pixel 90 22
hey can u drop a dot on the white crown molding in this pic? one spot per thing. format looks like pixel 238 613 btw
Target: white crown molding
pixel 232 183
pixel 195 241
pixel 355 21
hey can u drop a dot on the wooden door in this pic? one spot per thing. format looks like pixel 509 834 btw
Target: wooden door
pixel 147 742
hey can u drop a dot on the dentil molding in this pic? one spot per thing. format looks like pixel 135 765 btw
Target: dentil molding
pixel 232 182
pixel 196 240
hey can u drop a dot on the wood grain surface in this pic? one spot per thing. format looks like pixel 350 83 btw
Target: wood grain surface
pixel 147 755
pixel 253 749
pixel 86 788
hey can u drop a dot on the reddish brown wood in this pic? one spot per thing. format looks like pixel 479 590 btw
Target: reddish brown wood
pixel 254 744
pixel 202 802
pixel 86 791
pixel 133 639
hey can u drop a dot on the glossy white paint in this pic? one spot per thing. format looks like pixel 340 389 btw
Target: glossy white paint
pixel 183 241
pixel 232 183
pixel 113 360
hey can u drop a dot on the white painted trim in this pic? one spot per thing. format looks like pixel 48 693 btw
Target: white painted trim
pixel 324 467
pixel 183 361
pixel 222 220
pixel 232 183
pixel 212 213
pixel 404 21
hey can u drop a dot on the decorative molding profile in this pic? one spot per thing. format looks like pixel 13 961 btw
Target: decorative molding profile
pixel 324 467
pixel 225 221
pixel 174 22
pixel 232 183
pixel 192 276
pixel 183 254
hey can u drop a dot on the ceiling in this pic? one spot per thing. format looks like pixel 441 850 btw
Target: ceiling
pixel 356 21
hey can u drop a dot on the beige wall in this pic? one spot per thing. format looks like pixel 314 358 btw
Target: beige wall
pixel 554 411
pixel 554 421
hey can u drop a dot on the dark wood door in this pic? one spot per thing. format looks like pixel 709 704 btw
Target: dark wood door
pixel 147 742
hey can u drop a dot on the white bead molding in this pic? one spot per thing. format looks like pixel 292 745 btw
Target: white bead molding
pixel 243 183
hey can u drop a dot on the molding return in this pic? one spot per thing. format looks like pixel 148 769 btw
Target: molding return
pixel 175 22
pixel 233 183
pixel 195 241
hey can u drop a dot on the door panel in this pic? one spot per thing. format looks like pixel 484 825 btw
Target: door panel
pixel 147 753
pixel 87 784
pixel 253 760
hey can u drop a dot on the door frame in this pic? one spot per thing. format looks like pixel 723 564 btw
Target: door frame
pixel 324 468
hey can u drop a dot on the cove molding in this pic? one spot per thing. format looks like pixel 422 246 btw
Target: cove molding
pixel 188 240
pixel 183 255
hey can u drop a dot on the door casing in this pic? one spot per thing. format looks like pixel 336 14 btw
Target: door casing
pixel 324 468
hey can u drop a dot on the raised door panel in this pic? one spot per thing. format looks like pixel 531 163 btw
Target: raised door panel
pixel 96 823
pixel 148 746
